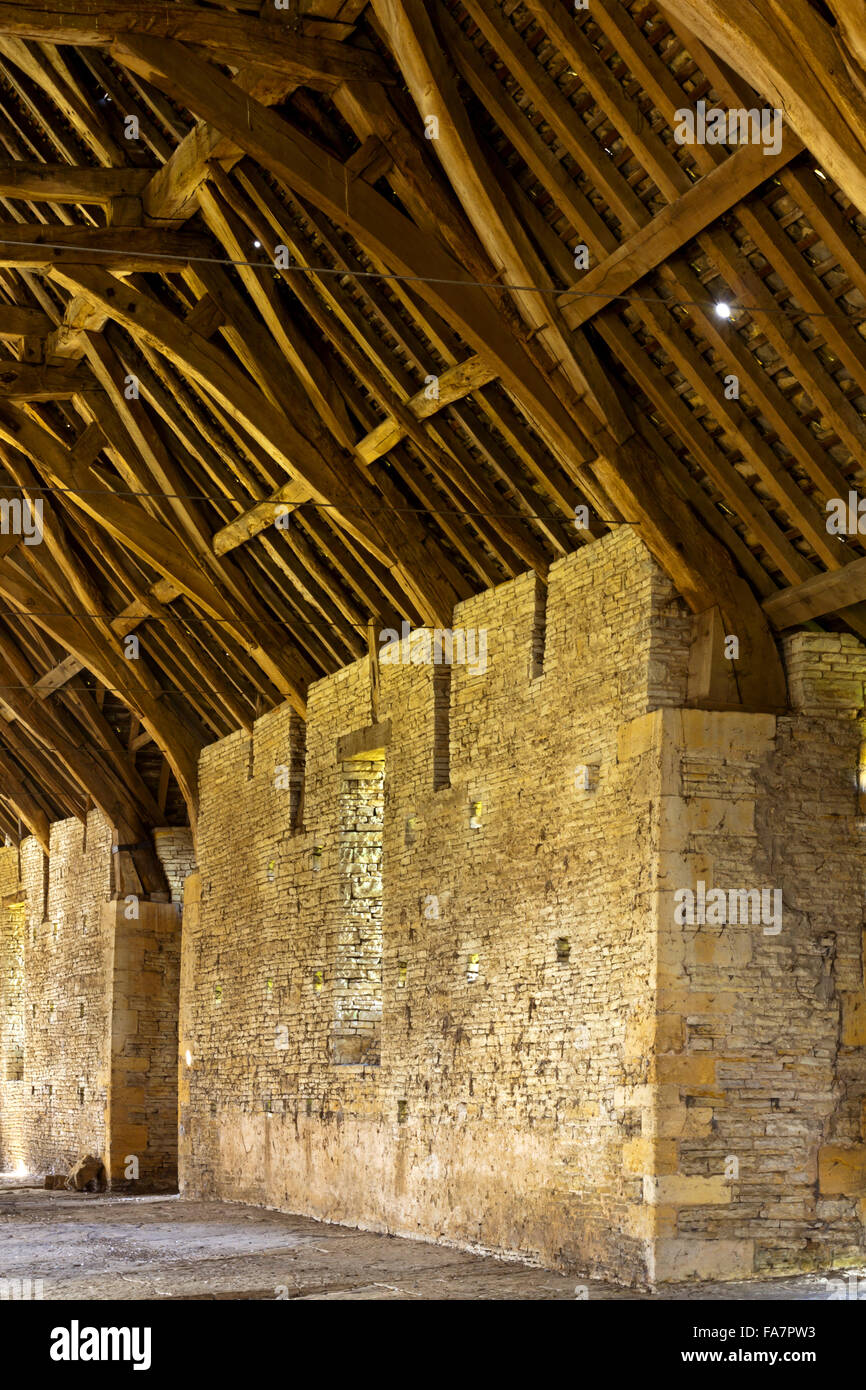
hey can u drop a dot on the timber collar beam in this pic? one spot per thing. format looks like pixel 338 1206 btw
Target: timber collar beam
pixel 316 62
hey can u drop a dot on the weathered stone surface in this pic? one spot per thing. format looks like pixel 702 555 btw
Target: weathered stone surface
pixel 842 1170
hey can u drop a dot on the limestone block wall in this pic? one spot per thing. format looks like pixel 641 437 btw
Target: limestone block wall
pixel 516 969
pixel 141 1110
pixel 13 1011
pixel 176 852
pixel 56 1110
pixel 754 1119
pixel 88 1011
pixel 440 973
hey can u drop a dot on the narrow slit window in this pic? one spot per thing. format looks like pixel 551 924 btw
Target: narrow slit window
pixel 441 727
pixel 358 967
pixel 539 631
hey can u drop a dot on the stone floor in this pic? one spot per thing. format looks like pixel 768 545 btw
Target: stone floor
pixel 86 1246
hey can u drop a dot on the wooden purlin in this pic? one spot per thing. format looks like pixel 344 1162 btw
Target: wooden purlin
pixel 709 157
pixel 408 28
pixel 793 57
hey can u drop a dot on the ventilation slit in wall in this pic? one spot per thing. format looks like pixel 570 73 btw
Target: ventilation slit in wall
pixel 44 886
pixel 539 630
pixel 358 964
pixel 297 776
pixel 441 727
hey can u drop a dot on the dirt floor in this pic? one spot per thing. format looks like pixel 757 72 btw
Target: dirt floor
pixel 87 1246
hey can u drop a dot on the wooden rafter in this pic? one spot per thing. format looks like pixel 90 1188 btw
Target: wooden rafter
pixel 167 406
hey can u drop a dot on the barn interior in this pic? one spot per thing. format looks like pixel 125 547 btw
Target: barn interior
pixel 433 638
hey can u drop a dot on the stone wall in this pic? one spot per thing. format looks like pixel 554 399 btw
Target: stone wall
pixel 141 1112
pixel 88 1011
pixel 566 1070
pixel 13 1011
pixel 755 1116
pixel 436 972
pixel 516 971
pixel 176 852
pixel 56 1110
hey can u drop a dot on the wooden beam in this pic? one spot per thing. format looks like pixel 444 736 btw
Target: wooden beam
pixel 83 706
pixel 792 56
pixel 123 518
pixel 413 41
pixel 701 567
pixel 19 322
pixel 546 95
pixel 147 537
pixel 722 474
pixel 55 80
pixel 67 183
pixel 37 246
pixel 300 355
pixel 162 791
pixel 672 228
pixel 824 593
pixel 213 370
pixel 313 61
pixel 23 381
pixel 313 172
pixel 57 731
pixel 453 384
pixel 57 676
pixel 23 803
pixel 82 638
